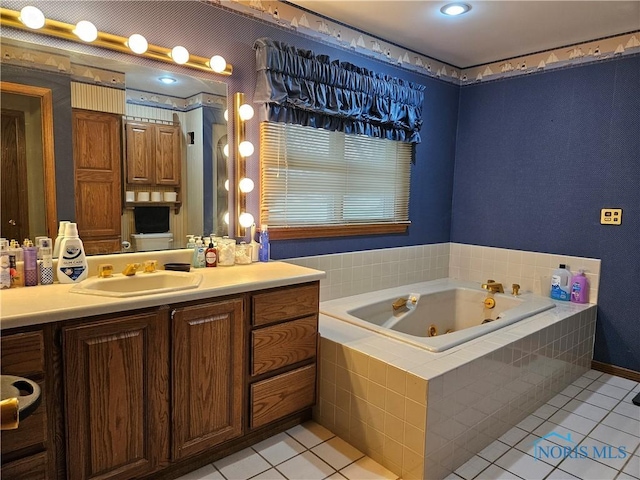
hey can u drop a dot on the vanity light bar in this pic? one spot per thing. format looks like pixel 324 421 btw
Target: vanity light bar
pixel 54 28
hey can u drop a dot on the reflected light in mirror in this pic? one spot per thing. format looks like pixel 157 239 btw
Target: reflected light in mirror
pixel 225 150
pixel 180 54
pixel 32 17
pixel 226 218
pixel 86 31
pixel 217 63
pixel 246 185
pixel 246 112
pixel 246 220
pixel 137 43
pixel 226 184
pixel 246 148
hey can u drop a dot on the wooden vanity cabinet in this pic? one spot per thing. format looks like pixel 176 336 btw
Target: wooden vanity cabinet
pixel 153 154
pixel 24 450
pixel 116 378
pixel 207 375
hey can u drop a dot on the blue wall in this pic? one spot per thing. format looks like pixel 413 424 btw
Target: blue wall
pixel 537 157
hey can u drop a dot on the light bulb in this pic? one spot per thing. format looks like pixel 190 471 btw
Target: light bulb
pixel 226 115
pixel 86 31
pixel 245 219
pixel 180 55
pixel 454 9
pixel 226 184
pixel 246 112
pixel 225 150
pixel 218 63
pixel 226 218
pixel 245 148
pixel 32 17
pixel 246 185
pixel 137 43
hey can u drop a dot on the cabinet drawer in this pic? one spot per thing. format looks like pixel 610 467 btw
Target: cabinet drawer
pixel 285 304
pixel 32 431
pixel 23 354
pixel 29 468
pixel 280 396
pixel 284 344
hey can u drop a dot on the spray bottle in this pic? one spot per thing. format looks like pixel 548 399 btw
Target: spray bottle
pixel 5 271
pixel 46 262
pixel 30 263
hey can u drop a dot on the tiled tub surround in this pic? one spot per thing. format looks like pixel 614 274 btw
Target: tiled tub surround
pixel 423 414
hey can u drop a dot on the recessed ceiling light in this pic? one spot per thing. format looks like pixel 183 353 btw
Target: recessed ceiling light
pixel 167 80
pixel 454 9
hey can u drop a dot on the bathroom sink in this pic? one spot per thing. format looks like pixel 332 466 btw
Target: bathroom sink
pixel 160 281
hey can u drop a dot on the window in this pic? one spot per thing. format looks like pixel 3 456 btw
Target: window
pixel 316 182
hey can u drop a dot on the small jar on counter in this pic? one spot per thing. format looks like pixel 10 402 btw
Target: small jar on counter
pixel 243 254
pixel 226 252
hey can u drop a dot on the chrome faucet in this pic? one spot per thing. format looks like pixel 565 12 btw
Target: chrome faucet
pixel 493 286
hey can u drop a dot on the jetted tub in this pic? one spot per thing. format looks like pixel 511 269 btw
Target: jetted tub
pixel 444 305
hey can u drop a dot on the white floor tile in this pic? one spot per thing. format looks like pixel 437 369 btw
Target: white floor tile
pixel 620 422
pixel 593 374
pixel 597 399
pixel 513 436
pixel 573 422
pixel 545 411
pixel 624 476
pixel 278 448
pixel 208 472
pixel 603 453
pixel 310 434
pixel 620 382
pixel 305 467
pixel 586 410
pixel 571 391
pixel 558 435
pixel 494 472
pixel 608 390
pixel 633 467
pixel 337 453
pixel 523 465
pixel 630 396
pixel 541 449
pixel 493 451
pixel 452 476
pixel 336 476
pixel 530 423
pixel 587 469
pixel 560 475
pixel 628 409
pixel 582 382
pixel 367 469
pixel 271 474
pixel 614 437
pixel 472 467
pixel 242 465
pixel 559 401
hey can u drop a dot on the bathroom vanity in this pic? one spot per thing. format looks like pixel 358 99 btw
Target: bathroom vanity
pixel 158 385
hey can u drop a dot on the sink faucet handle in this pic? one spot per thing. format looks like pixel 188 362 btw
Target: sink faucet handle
pixel 131 269
pixel 516 289
pixel 150 266
pixel 105 270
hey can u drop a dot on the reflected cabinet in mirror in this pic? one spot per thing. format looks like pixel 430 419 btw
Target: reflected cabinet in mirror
pixel 133 154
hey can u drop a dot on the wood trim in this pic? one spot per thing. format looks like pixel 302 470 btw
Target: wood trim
pixel 617 371
pixel 48 152
pixel 289 233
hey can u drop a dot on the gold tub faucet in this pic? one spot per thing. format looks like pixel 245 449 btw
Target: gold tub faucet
pixel 493 286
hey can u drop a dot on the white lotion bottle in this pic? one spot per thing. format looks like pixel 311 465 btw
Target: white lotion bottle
pixel 56 245
pixel 72 262
pixel 255 246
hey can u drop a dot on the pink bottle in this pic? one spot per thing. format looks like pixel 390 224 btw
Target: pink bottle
pixel 579 288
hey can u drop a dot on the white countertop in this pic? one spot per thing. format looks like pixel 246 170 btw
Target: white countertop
pixel 25 306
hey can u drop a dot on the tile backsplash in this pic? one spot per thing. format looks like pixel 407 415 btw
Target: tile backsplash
pixel 360 272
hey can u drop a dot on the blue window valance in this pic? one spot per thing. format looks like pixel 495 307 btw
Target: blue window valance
pixel 302 88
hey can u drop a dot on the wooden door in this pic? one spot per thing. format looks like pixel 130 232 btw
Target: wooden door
pixel 208 364
pixel 97 161
pixel 14 201
pixel 116 392
pixel 167 155
pixel 140 153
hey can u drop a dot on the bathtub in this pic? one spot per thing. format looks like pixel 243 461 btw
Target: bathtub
pixel 446 312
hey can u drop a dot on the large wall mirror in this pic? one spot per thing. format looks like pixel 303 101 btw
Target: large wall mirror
pixel 99 109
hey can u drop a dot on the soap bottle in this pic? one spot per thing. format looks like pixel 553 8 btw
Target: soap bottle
pixel 5 270
pixel 580 288
pixel 199 259
pixel 211 255
pixel 191 242
pixel 561 283
pixel 264 250
pixel 72 262
pixel 30 263
pixel 254 245
pixel 56 245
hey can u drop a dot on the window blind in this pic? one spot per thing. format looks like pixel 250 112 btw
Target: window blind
pixel 315 177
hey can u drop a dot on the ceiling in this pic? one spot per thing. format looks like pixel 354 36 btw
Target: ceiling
pixel 489 32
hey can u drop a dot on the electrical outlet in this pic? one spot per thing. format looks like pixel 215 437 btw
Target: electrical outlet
pixel 611 216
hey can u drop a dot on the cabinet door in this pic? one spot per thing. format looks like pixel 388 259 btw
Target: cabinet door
pixel 140 153
pixel 208 362
pixel 167 155
pixel 116 392
pixel 97 159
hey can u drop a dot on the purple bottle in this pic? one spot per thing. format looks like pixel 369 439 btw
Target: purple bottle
pixel 30 264
pixel 579 288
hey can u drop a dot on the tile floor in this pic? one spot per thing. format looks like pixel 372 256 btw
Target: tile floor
pixel 594 414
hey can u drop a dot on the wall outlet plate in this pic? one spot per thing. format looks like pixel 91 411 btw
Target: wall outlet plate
pixel 611 216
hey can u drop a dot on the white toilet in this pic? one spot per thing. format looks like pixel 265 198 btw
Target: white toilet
pixel 147 242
